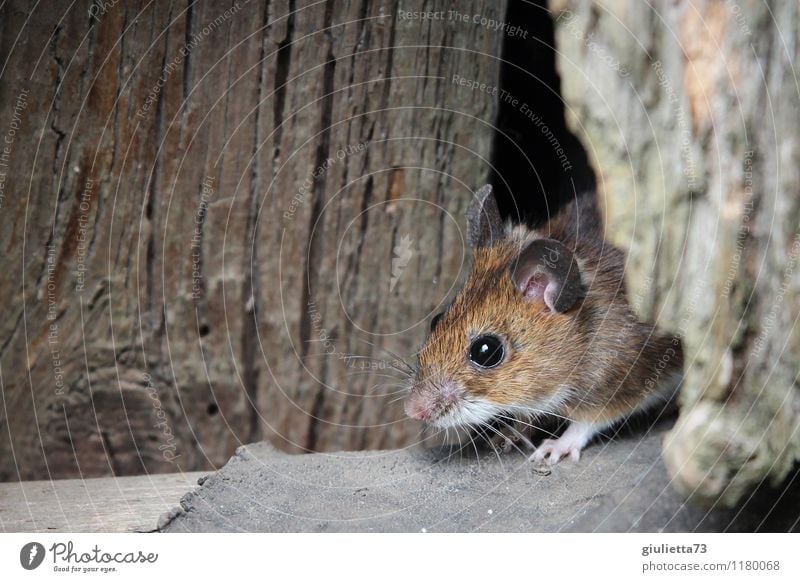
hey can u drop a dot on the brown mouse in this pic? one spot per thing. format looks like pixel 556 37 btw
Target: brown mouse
pixel 542 327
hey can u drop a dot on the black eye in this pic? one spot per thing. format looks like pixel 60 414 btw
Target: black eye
pixel 435 320
pixel 486 351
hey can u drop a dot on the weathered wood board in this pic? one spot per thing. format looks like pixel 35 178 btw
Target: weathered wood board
pixel 122 504
pixel 207 205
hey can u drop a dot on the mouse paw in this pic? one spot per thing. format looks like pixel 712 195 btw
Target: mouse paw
pixel 501 443
pixel 570 444
pixel 551 451
pixel 506 443
pixel 509 437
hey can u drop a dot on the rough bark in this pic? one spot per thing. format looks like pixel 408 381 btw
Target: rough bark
pixel 689 112
pixel 175 269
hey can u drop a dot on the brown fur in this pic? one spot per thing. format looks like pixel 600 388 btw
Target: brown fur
pixel 596 363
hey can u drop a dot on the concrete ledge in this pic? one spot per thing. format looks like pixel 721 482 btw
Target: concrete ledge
pixel 619 485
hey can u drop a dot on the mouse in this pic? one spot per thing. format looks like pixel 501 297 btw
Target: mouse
pixel 542 328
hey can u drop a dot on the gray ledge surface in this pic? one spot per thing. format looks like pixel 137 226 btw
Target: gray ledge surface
pixel 618 485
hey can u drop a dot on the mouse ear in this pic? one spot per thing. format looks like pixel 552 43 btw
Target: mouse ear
pixel 484 226
pixel 547 271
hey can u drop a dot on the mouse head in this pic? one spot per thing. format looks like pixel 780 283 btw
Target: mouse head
pixel 509 339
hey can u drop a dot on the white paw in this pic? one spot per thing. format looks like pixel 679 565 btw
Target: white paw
pixel 551 451
pixel 570 444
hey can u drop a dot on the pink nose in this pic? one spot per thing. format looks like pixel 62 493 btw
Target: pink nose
pixel 429 400
pixel 417 409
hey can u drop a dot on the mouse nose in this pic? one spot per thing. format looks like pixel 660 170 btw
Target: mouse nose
pixel 417 408
pixel 429 400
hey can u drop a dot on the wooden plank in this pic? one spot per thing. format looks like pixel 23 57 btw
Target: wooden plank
pixel 211 212
pixel 109 504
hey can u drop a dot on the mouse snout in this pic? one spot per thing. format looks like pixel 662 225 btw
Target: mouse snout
pixel 417 408
pixel 429 400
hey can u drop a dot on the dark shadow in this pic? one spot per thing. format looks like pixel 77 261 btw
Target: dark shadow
pixel 538 163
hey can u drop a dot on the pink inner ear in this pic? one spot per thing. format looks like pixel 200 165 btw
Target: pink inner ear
pixel 535 286
pixel 540 287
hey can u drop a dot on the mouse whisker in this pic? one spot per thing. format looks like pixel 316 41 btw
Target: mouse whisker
pixel 386 390
pixel 402 393
pixel 415 353
pixel 488 440
pixel 398 399
pixel 422 433
pixel 471 438
pixel 446 442
pixel 474 446
pixel 420 438
pixel 521 436
pixel 402 371
pixel 389 365
pixel 390 352
pixel 400 389
pixel 469 434
pixel 461 446
pixel 366 372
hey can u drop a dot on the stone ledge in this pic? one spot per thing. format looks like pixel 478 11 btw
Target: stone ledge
pixel 619 485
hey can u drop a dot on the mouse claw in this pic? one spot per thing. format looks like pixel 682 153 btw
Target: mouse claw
pixel 551 451
pixel 503 443
pixel 507 444
pixel 510 437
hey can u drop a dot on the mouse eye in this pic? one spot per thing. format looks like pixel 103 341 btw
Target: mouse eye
pixel 435 320
pixel 486 351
